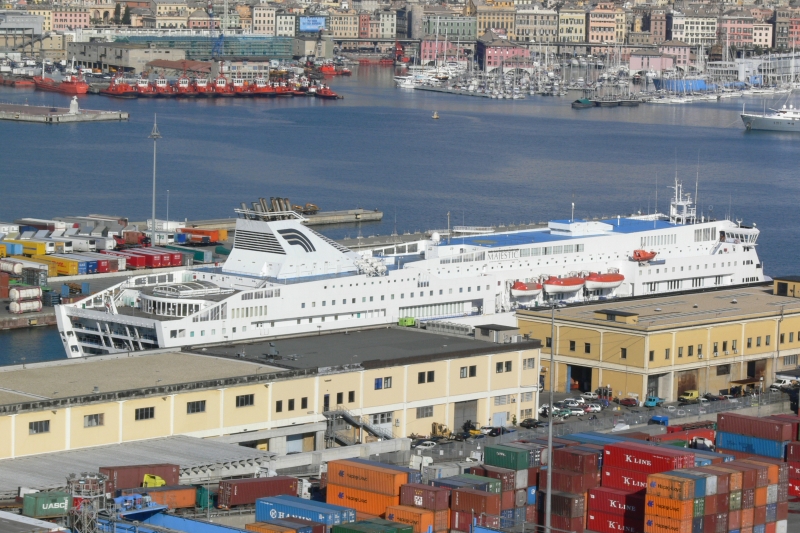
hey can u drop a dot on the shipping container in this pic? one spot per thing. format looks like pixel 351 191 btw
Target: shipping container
pixel 612 523
pixel 793 452
pixel 198 255
pixel 704 484
pixel 419 519
pixel 425 496
pixel 619 478
pixel 396 526
pixel 100 264
pixel 414 476
pixel 235 492
pixel 769 473
pixel 372 478
pixel 669 507
pixel 174 497
pixel 176 258
pixel 491 484
pixel 563 503
pixel 568 481
pixel 658 524
pixel 164 257
pixel 723 478
pixel 31 247
pixel 751 444
pixel 150 260
pixel 368 526
pixel 734 520
pixel 27 262
pixel 132 261
pixel 64 266
pixel 115 263
pixel 214 235
pixel 512 458
pixel 475 501
pixel 530 495
pixel 716 523
pixel 267 527
pixel 11 248
pixel 794 420
pixel 644 458
pixel 575 525
pixel 129 477
pixel 283 507
pixel 575 460
pixel 752 426
pixel 616 502
pixel 302 525
pixel 462 521
pixel 668 485
pixel 46 504
pixel 360 500
pixel 506 476
pixel 207 497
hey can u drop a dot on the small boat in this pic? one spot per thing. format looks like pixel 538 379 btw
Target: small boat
pixel 163 88
pixel 325 92
pixel 521 290
pixel 643 255
pixel 119 89
pixel 143 88
pixel 202 88
pixel 222 87
pixel 345 72
pixel 69 85
pixel 262 87
pixel 582 103
pixel 555 285
pixel 435 116
pixel 183 87
pixel 610 280
pixel 240 87
pixel 629 102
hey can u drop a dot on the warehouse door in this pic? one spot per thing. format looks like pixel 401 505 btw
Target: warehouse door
pixel 499 419
pixel 465 411
pixel 687 381
pixel 294 443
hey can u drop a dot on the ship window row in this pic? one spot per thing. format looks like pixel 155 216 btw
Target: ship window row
pixel 257 295
pixel 713 265
pixel 249 312
pixel 705 234
pixel 169 308
pixel 464 258
pixel 661 240
pixel 383 297
pixel 218 312
pixel 552 250
pixel 410 248
pixel 740 237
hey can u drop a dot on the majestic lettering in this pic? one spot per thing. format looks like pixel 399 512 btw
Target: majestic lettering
pixel 503 255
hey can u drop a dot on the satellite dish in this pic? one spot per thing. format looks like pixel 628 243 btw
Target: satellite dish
pixel 436 238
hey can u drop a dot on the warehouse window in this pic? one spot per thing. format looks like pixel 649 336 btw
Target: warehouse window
pixel 498 368
pixel 291 405
pixel 749 342
pixel 690 350
pixel 528 364
pixel 90 421
pixel 463 372
pixel 279 406
pixel 379 383
pixel 790 360
pixel 758 341
pixel 430 376
pixel 351 396
pixel 699 350
pixel 145 413
pixel 680 351
pixel 724 370
pixel 387 382
pixel 666 354
pixel 652 355
pixel 571 346
pixel 339 398
pixel 195 407
pixel 548 342
pixel 303 403
pixel 421 377
pixel 623 353
pixel 766 340
pixel 245 400
pixel 425 412
pixel 508 366
pixel 587 347
pixel 42 426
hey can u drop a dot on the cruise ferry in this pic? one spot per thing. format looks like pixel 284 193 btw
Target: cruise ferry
pixel 282 278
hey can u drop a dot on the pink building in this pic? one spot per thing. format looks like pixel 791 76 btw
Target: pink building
pixel 493 52
pixel 794 31
pixel 677 49
pixel 69 18
pixel 650 60
pixel 735 30
pixel 430 50
pixel 200 20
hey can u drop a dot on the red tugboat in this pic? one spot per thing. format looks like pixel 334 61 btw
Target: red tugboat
pixel 144 89
pixel 222 87
pixel 325 92
pixel 328 69
pixel 262 87
pixel 71 84
pixel 184 88
pixel 345 71
pixel 163 88
pixel 281 89
pixel 201 87
pixel 119 89
pixel 240 87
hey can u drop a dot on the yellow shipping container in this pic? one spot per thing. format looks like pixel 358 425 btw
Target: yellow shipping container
pixel 2 251
pixel 52 270
pixel 30 248
pixel 64 267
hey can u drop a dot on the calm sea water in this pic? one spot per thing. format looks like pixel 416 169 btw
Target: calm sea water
pixel 485 161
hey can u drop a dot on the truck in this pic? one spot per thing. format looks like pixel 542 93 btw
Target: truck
pixel 653 401
pixel 689 396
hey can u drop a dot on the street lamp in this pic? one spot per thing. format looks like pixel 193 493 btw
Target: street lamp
pixel 155 135
pixel 549 494
pixel 760 393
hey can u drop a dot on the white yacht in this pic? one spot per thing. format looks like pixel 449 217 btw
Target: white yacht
pixel 283 278
pixel 783 119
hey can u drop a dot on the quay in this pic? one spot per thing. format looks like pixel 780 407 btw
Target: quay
pixel 451 91
pixel 57 115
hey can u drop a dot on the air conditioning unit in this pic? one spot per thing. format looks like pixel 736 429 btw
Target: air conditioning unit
pixel 727 352
pixel 513 400
pixel 736 351
pixel 699 356
pixel 716 354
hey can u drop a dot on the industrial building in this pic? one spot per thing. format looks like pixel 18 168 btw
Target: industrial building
pixel 128 57
pixel 287 396
pixel 714 341
pixel 202 48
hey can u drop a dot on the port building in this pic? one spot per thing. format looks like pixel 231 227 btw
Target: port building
pixel 292 395
pixel 714 341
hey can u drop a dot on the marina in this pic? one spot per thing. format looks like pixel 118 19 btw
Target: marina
pixel 57 115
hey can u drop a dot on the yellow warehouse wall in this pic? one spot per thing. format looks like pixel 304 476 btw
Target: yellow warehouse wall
pixel 188 423
pixel 612 349
pixel 469 385
pixel 6 424
pixel 426 391
pixel 158 426
pixel 27 444
pixel 581 336
pixel 108 433
pixel 239 416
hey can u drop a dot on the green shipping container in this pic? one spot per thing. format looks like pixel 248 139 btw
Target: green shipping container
pixel 395 526
pixel 45 504
pixel 495 485
pixel 503 457
pixel 362 527
pixel 699 507
pixel 206 497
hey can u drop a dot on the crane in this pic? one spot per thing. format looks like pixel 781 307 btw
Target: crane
pixel 217 47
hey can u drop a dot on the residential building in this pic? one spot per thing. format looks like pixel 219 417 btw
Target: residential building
pixel 44 11
pixel 363 25
pixel 70 17
pixel 694 27
pixel 498 18
pixel 621 21
pixel 388 23
pixel 658 25
pixel 245 13
pixel 453 26
pixel 677 49
pixel 165 7
pixel 344 24
pixel 536 24
pixel 200 19
pixel 436 50
pixel 689 343
pixel 264 19
pixel 793 39
pixel 572 25
pixel 170 20
pixel 603 24
pixel 493 52
pixel 651 60
pixel 640 37
pixel 736 30
pixel 780 28
pixel 402 382
pixel 285 24
pixel 762 34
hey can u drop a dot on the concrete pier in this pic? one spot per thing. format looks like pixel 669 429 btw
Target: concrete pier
pixel 57 115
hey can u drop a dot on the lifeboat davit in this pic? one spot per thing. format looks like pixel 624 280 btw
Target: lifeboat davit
pixel 521 290
pixel 643 255
pixel 555 285
pixel 595 281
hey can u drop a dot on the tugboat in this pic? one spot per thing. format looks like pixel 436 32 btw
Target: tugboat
pixel 163 88
pixel 184 87
pixel 202 88
pixel 69 85
pixel 144 89
pixel 240 87
pixel 119 89
pixel 222 87
pixel 325 92
pixel 281 89
pixel 262 87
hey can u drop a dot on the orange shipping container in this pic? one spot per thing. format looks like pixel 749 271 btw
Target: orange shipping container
pixel 263 527
pixel 669 508
pixel 666 486
pixel 773 470
pixel 760 497
pixel 175 497
pixel 420 519
pixel 441 517
pixel 747 517
pixel 658 524
pixel 360 500
pixel 367 477
pixel 735 482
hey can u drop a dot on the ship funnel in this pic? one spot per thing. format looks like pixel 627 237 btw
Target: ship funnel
pixel 244 208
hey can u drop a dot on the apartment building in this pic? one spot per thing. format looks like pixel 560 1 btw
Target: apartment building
pixel 264 17
pixel 572 25
pixel 536 24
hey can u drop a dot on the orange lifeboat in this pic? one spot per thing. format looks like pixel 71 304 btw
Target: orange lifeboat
pixel 595 281
pixel 522 290
pixel 555 285
pixel 643 255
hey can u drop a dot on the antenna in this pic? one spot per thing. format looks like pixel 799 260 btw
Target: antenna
pixel 573 213
pixel 697 183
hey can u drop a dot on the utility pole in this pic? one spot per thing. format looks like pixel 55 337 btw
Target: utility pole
pixel 549 497
pixel 155 135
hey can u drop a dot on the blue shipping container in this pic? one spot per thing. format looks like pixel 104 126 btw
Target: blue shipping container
pixel 761 528
pixel 531 495
pixel 507 518
pixel 414 476
pixel 727 458
pixel 180 238
pixel 348 513
pixel 177 523
pixel 12 248
pixel 270 509
pixel 747 444
pixel 700 461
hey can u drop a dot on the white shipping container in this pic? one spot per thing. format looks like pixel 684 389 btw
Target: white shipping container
pixel 12 267
pixel 30 306
pixel 24 293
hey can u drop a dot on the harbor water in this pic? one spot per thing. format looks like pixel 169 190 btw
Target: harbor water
pixel 485 161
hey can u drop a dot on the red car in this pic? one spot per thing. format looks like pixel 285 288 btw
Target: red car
pixel 627 402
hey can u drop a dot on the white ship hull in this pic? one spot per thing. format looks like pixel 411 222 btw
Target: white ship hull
pixel 770 123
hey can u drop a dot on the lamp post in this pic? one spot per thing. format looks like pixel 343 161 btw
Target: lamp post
pixel 155 135
pixel 167 228
pixel 760 393
pixel 549 496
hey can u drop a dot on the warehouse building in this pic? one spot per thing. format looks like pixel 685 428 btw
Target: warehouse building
pixel 128 57
pixel 280 397
pixel 717 341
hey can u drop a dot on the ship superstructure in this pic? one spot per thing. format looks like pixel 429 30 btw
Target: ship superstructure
pixel 283 278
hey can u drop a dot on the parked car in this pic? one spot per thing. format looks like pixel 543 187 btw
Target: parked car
pixel 730 398
pixel 561 413
pixel 570 402
pixel 689 396
pixel 590 395
pixel 653 401
pixel 592 408
pixel 424 445
pixel 476 438
pixel 627 402
pixel 577 411
pixel 781 383
pixel 530 423
pixel 497 431
pixel 713 397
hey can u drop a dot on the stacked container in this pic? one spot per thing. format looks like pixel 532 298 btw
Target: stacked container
pixel 368 488
pixel 749 434
pixel 517 466
pixel 284 507
pixel 237 492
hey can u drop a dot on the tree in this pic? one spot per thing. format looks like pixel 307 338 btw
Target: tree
pixel 117 9
pixel 126 17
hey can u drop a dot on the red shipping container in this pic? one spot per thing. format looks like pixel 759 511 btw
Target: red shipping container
pixel 715 523
pixel 425 496
pixel 737 454
pixel 762 471
pixel 763 428
pixel 566 481
pixel 616 502
pixel 723 502
pixel 533 476
pixel 783 511
pixel 769 527
pixel 461 521
pixel 644 458
pixel 575 525
pixel 759 515
pixel 611 523
pixel 531 513
pixel 507 477
pixel 234 492
pixel 562 504
pixel 734 520
pixel 710 503
pixel 749 473
pixel 575 460
pixel 508 500
pixel 475 501
pixel 619 478
pixel 794 420
pixel 794 469
pixel 748 498
pixel 777 470
pixel 793 452
pixel 130 477
pixel 316 527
